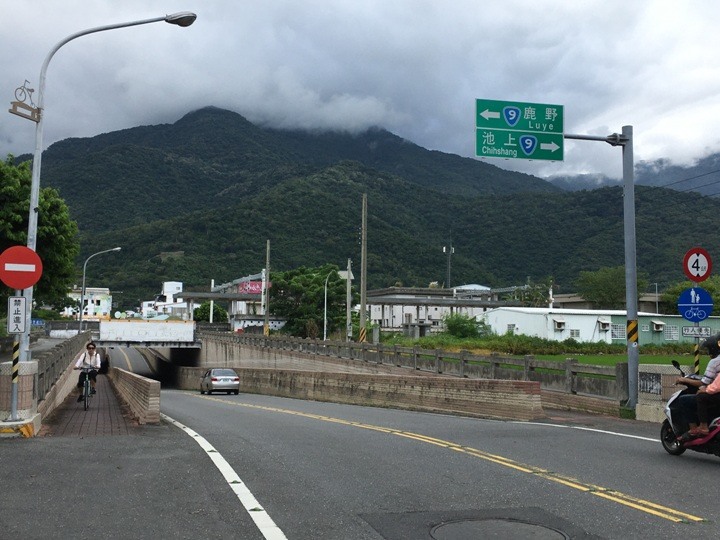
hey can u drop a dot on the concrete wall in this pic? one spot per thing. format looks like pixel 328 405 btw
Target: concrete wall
pixel 515 400
pixel 26 389
pixel 140 394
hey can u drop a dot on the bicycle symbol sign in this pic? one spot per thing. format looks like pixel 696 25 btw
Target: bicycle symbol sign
pixel 695 304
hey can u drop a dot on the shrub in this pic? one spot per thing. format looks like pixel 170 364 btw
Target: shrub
pixel 461 326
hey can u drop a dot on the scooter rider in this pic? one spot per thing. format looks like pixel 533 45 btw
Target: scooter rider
pixel 686 405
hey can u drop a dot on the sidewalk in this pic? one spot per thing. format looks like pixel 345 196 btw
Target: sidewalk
pixel 103 417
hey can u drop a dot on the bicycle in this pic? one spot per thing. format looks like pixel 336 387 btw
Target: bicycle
pixel 24 92
pixel 87 393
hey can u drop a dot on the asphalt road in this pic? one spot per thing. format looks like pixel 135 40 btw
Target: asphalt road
pixel 332 471
pixel 329 471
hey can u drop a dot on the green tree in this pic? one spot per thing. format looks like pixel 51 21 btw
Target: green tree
pixel 202 313
pixel 57 242
pixel 461 326
pixel 299 296
pixel 605 288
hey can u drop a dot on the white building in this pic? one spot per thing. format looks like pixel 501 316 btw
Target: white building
pixel 97 304
pixel 169 303
pixel 554 324
pixel 400 308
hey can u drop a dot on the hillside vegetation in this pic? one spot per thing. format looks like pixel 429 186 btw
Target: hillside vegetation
pixel 196 200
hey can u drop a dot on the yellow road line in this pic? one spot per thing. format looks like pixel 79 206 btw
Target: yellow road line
pixel 648 507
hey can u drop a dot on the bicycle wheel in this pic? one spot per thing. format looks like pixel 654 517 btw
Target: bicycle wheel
pixel 20 94
pixel 86 392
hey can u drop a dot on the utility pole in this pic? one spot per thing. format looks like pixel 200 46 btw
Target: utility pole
pixel 266 326
pixel 348 302
pixel 363 272
pixel 449 250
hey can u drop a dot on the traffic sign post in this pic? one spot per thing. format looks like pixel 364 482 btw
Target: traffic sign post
pixel 513 129
pixel 20 267
pixel 697 266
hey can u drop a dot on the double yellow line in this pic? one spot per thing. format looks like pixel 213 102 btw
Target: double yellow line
pixel 648 507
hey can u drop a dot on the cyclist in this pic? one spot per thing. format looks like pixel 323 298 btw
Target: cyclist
pixel 90 359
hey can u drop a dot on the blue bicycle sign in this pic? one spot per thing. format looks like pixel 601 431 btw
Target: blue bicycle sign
pixel 695 304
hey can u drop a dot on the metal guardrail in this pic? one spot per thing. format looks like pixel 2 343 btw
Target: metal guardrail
pixel 569 376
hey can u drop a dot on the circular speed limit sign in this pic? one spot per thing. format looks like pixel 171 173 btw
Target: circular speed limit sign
pixel 697 264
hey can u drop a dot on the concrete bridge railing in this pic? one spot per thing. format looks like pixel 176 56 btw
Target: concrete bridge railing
pixel 567 384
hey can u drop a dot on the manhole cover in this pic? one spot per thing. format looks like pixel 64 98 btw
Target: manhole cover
pixel 507 529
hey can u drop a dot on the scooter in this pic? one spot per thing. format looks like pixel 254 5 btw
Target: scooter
pixel 671 439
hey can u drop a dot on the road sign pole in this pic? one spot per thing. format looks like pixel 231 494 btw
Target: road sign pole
pixel 15 373
pixel 631 297
pixel 631 302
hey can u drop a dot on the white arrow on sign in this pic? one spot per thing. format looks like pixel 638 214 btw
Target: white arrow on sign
pixel 549 146
pixel 487 115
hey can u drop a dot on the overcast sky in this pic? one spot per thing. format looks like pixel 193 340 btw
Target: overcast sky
pixel 413 67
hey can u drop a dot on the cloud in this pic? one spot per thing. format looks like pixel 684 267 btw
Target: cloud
pixel 414 67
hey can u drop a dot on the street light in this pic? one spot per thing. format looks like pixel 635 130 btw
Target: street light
pixel 325 312
pixel 183 19
pixel 82 291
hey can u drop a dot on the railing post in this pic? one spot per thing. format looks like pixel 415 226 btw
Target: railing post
pixel 438 352
pixel 526 367
pixel 463 361
pixel 570 375
pixel 621 382
pixel 493 365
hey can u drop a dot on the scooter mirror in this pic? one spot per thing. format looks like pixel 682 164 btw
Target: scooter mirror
pixel 676 364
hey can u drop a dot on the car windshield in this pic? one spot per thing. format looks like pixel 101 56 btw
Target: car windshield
pixel 224 373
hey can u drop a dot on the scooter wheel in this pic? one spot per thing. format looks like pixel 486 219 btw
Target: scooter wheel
pixel 669 440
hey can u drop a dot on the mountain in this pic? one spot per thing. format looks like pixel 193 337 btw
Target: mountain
pixel 196 201
pixel 211 150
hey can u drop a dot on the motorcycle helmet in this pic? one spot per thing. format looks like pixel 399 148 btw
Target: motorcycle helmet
pixel 711 345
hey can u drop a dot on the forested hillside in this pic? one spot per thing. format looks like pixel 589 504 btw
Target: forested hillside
pixel 197 200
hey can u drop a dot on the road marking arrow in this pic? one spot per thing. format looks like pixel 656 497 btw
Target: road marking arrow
pixel 487 115
pixel 549 146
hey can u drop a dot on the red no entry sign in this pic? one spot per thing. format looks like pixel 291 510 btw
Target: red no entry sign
pixel 20 267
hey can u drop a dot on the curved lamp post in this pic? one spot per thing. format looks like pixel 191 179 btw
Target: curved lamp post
pixel 184 18
pixel 82 291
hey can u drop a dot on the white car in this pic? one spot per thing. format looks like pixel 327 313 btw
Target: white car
pixel 220 380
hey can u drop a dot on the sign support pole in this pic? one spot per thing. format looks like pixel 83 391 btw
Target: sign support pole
pixel 631 300
pixel 15 374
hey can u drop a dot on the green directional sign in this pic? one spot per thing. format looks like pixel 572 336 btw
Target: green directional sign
pixel 512 129
pixel 502 143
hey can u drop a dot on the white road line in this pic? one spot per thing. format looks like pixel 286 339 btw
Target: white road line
pixel 592 429
pixel 261 518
